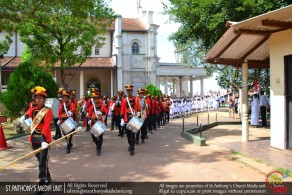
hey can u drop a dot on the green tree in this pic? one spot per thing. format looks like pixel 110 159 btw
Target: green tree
pixel 203 23
pixel 59 33
pixel 22 80
pixel 153 90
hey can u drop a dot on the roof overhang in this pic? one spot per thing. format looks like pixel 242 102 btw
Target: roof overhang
pixel 248 41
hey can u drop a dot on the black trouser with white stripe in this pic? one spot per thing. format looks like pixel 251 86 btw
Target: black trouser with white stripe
pixel 43 158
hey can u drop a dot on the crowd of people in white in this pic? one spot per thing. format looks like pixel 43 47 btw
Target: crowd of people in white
pixel 186 106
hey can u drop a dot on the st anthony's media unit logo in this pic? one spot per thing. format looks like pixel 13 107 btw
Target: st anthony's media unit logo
pixel 274 181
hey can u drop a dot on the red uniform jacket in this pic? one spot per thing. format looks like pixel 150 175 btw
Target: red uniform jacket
pixel 148 101
pixel 106 106
pixel 168 104
pixel 99 107
pixel 125 110
pixel 62 113
pixel 75 103
pixel 32 104
pixel 44 125
pixel 113 108
pixel 88 104
pixel 161 106
pixel 153 106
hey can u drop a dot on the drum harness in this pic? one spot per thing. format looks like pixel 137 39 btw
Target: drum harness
pixel 94 108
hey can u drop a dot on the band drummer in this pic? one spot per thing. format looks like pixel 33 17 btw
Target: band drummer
pixel 40 132
pixel 118 113
pixel 144 116
pixel 66 110
pixel 130 107
pixel 56 118
pixel 95 114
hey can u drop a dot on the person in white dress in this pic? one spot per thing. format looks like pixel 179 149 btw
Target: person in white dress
pixel 255 109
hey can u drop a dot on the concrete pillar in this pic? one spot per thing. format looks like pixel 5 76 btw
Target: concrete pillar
pixel 119 44
pixel 202 86
pixel 173 87
pixel 165 85
pixel 180 86
pixel 158 81
pixel 81 83
pixel 191 86
pixel 112 84
pixel 245 124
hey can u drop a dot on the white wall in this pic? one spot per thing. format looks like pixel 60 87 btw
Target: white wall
pixel 280 46
pixel 105 50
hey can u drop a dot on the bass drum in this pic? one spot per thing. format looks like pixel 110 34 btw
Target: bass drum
pixel 54 104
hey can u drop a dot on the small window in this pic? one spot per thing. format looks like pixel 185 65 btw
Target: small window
pixel 135 48
pixel 96 51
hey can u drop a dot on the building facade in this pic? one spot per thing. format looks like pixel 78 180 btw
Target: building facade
pixel 129 55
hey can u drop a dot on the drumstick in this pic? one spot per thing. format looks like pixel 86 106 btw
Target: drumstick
pixel 39 149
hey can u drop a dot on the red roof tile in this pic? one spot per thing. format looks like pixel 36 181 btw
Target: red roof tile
pixel 99 63
pixel 131 24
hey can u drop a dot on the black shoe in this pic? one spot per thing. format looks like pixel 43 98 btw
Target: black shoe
pixel 146 136
pixel 44 181
pixel 55 138
pixel 111 128
pixel 142 141
pixel 132 153
pixel 122 135
pixel 98 153
pixel 68 151
pixel 119 135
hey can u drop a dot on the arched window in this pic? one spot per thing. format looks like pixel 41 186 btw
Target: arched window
pixel 135 48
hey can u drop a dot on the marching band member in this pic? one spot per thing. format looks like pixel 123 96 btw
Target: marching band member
pixel 95 113
pixel 88 105
pixel 66 110
pixel 81 104
pixel 144 116
pixel 167 108
pixel 154 112
pixel 113 112
pixel 118 113
pixel 40 132
pixel 149 113
pixel 106 104
pixel 74 101
pixel 129 104
pixel 56 118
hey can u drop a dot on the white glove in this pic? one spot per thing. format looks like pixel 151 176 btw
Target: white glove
pixel 44 145
pixel 87 114
pixel 98 113
pixel 138 114
pixel 89 122
pixel 58 122
pixel 122 122
pixel 70 113
pixel 21 119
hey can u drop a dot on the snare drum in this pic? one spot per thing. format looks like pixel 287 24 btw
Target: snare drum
pixel 68 125
pixel 26 124
pixel 135 124
pixel 97 129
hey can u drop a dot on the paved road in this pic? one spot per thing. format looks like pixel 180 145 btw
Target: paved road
pixel 165 156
